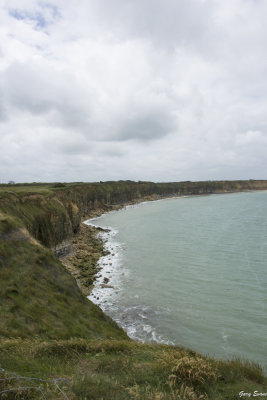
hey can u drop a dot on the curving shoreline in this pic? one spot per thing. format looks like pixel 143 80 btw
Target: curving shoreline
pixel 86 247
pixel 101 295
pixel 48 325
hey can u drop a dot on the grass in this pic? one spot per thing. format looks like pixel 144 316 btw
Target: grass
pixel 119 370
pixel 194 371
pixel 50 331
pixel 39 297
pixel 238 368
pixel 25 190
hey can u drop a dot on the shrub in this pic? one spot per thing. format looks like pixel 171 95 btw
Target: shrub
pixel 58 185
pixel 193 371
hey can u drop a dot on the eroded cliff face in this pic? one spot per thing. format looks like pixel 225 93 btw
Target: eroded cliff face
pixel 38 296
pixel 46 218
pixel 53 217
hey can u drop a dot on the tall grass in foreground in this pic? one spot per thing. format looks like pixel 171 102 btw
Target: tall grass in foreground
pixel 194 371
pixel 120 370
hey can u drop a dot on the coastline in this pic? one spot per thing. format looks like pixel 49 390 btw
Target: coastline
pixel 50 329
pixel 87 246
pixel 107 274
pixel 100 291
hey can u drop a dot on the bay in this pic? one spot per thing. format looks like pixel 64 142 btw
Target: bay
pixel 190 271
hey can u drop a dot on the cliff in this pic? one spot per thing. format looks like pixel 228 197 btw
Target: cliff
pixel 48 327
pixel 36 218
pixel 38 296
pixel 53 212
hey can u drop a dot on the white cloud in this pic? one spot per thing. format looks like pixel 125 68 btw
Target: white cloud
pixel 158 90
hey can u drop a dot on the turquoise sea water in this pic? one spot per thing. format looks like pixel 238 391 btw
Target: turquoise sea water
pixel 190 271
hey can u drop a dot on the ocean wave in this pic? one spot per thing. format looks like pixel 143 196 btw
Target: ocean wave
pixel 136 321
pixel 107 292
pixel 108 281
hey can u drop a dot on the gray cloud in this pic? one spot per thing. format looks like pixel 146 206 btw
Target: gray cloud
pixel 38 89
pixel 145 126
pixel 167 23
pixel 3 115
pixel 154 90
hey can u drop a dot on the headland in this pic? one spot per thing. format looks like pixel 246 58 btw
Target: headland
pixel 48 328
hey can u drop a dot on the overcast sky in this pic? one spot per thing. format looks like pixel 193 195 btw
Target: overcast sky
pixel 161 90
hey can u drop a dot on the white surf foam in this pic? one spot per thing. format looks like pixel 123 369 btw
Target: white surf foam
pixel 133 319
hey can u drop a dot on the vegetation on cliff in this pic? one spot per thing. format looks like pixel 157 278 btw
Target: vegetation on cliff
pixel 48 328
pixel 53 212
pixel 39 297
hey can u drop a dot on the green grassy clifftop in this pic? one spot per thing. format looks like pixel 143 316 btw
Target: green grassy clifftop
pixel 49 329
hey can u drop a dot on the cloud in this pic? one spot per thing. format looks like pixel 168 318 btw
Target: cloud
pixel 155 90
pixel 165 22
pixel 146 125
pixel 40 16
pixel 251 137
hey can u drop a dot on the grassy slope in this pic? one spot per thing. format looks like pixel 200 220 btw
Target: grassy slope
pixel 49 329
pixel 120 370
pixel 38 297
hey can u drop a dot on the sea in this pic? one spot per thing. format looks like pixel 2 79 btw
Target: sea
pixel 189 271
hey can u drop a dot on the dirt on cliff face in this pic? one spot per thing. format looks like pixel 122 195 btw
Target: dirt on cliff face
pixel 82 261
pixel 19 234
